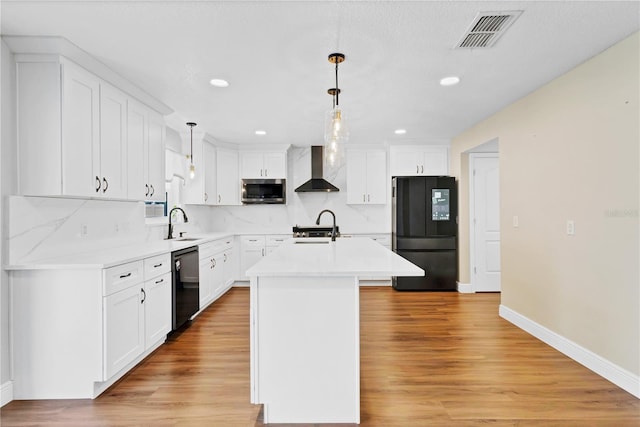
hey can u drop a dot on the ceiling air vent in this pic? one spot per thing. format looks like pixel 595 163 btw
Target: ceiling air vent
pixel 486 29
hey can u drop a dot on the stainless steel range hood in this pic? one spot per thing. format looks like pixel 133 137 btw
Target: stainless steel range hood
pixel 317 182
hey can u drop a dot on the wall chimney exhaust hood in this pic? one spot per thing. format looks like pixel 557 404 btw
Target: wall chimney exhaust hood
pixel 316 183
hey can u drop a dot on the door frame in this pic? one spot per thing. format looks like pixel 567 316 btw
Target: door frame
pixel 472 234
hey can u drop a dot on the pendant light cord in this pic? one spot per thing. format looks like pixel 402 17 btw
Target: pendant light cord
pixel 337 100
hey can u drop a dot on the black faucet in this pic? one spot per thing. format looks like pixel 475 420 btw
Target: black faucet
pixel 333 231
pixel 170 235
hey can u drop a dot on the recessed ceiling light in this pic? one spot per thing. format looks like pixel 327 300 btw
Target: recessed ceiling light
pixel 450 81
pixel 400 131
pixel 219 83
pixel 261 132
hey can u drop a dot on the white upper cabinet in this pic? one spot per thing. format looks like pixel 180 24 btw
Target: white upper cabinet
pixel 263 164
pixel 154 155
pixel 113 143
pixel 419 160
pixel 77 134
pixel 145 130
pixel 366 177
pixel 80 133
pixel 227 177
pixel 209 172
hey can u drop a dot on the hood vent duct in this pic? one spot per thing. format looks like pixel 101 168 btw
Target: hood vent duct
pixel 486 29
pixel 317 183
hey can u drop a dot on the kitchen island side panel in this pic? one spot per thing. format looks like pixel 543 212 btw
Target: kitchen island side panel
pixel 306 355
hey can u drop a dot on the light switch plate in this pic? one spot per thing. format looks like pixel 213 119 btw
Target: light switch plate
pixel 571 228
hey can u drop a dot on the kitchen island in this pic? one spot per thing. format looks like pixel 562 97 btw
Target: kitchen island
pixel 305 327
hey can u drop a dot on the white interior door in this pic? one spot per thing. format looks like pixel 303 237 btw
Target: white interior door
pixel 485 274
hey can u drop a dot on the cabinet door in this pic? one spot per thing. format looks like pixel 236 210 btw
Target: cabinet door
pixel 80 137
pixel 275 165
pixel 356 177
pixel 123 329
pixel 377 177
pixel 113 159
pixel 228 267
pixel 251 165
pixel 218 274
pixel 227 178
pixel 209 171
pixel 157 309
pixel 252 251
pixel 137 185
pixel 407 162
pixel 207 266
pixel 155 157
pixel 436 161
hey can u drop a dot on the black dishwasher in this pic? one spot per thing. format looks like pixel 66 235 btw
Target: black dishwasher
pixel 186 285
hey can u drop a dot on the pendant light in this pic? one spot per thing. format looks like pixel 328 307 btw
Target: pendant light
pixel 192 168
pixel 336 133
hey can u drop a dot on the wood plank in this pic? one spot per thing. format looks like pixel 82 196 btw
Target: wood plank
pixel 426 358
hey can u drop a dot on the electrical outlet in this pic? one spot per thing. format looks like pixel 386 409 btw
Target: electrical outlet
pixel 83 230
pixel 571 228
pixel 516 222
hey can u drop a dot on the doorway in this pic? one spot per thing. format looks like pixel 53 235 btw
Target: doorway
pixel 484 223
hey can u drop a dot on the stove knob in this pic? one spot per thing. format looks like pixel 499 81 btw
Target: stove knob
pixel 304 234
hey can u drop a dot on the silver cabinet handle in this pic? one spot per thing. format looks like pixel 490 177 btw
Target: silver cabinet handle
pixel 146 194
pixel 219 198
pixel 106 185
pixel 368 197
pixel 158 265
pixel 262 251
pixel 97 184
pixel 422 169
pixel 153 190
pixel 213 264
pixel 364 197
pixel 265 173
pixel 124 276
pixel 159 281
pixel 144 295
pixel 225 257
pixel 260 172
pixel 417 168
pixel 206 197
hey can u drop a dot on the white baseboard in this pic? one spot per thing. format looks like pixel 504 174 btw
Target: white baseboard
pixel 6 393
pixel 465 288
pixel 601 366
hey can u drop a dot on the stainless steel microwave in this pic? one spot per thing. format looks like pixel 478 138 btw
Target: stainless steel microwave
pixel 256 191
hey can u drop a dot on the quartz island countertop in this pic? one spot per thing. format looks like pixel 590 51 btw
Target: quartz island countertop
pixel 358 256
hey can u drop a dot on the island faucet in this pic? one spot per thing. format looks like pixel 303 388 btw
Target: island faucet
pixel 170 235
pixel 333 231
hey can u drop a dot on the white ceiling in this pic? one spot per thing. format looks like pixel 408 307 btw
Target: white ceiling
pixel 274 54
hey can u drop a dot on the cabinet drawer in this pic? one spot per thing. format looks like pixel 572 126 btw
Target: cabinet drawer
pixel 157 265
pixel 277 240
pixel 252 241
pixel 122 276
pixel 208 249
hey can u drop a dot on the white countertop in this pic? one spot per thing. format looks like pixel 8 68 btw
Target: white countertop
pixel 116 255
pixel 357 256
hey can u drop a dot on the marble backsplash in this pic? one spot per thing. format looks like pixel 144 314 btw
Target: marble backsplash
pixel 42 227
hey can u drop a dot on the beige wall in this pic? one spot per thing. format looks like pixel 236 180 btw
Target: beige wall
pixel 570 150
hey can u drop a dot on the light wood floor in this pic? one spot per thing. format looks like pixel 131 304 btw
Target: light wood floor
pixel 440 359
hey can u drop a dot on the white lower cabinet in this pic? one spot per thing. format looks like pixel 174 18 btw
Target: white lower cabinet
pixel 123 329
pixel 216 271
pixel 77 331
pixel 254 247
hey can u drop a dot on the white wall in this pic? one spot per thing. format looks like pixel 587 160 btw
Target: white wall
pixel 569 151
pixel 301 208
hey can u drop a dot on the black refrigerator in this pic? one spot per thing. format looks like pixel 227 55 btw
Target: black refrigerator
pixel 425 230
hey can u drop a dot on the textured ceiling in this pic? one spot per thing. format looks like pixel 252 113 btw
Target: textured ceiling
pixel 274 54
